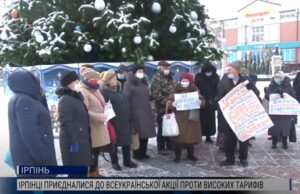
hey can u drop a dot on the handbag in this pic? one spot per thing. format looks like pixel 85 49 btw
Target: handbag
pixel 112 132
pixel 170 126
pixel 135 140
pixel 194 115
pixel 293 135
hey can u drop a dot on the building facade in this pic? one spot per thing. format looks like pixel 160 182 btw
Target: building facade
pixel 258 29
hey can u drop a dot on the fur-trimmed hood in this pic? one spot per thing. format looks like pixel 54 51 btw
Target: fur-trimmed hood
pixel 179 89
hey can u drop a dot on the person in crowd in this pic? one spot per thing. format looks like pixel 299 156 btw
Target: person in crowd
pixel 280 84
pixel 111 90
pixel 74 135
pixel 161 88
pixel 296 86
pixel 231 79
pixel 95 103
pixel 121 74
pixel 252 78
pixel 207 82
pixel 30 132
pixel 189 130
pixel 137 91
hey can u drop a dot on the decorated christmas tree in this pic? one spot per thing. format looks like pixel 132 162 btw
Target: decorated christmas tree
pixel 67 31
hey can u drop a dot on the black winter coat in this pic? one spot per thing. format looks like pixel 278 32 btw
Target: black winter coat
pixel 74 128
pixel 208 89
pixel 296 86
pixel 30 132
pixel 121 107
pixel 224 87
pixel 282 123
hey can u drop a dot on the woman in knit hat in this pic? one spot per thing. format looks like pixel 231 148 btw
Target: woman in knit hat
pixel 112 91
pixel 95 104
pixel 189 130
pixel 137 91
pixel 74 136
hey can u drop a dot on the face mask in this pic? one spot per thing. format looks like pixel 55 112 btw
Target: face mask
pixel 277 81
pixel 121 76
pixel 209 73
pixel 166 72
pixel 230 76
pixel 139 75
pixel 77 87
pixel 185 84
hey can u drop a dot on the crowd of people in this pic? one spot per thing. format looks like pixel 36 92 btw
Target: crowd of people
pixel 139 106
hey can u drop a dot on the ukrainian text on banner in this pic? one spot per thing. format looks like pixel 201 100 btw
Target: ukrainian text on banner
pixel 283 106
pixel 244 113
pixel 187 101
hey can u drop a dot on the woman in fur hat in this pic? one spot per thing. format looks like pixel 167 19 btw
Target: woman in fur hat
pixel 111 89
pixel 95 104
pixel 189 130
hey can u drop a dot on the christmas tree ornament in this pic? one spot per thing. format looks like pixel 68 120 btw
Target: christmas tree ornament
pixel 156 8
pixel 194 15
pixel 150 58
pixel 39 38
pixel 78 29
pixel 155 34
pixel 99 5
pixel 202 32
pixel 3 35
pixel 172 29
pixel 137 39
pixel 87 47
pixel 123 50
pixel 14 13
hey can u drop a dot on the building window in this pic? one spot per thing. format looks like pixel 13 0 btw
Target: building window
pixel 288 55
pixel 288 14
pixel 257 33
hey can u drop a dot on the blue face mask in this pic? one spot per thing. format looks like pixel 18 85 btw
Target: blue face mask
pixel 230 76
pixel 121 76
pixel 278 81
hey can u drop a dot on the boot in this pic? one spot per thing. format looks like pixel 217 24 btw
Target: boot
pixel 208 139
pixel 94 173
pixel 177 150
pixel 284 143
pixel 191 153
pixel 274 142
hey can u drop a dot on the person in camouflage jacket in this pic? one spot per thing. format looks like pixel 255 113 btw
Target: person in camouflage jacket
pixel 161 87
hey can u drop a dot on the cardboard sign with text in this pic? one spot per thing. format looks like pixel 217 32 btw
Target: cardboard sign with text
pixel 283 106
pixel 187 101
pixel 244 113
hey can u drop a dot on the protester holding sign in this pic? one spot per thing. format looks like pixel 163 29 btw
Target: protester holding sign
pixel 111 90
pixel 95 104
pixel 187 116
pixel 228 83
pixel 280 84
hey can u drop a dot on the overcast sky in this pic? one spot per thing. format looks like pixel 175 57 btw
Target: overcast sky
pixel 225 9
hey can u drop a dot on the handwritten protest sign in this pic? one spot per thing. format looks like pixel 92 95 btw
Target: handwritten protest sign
pixel 283 106
pixel 109 111
pixel 244 113
pixel 187 101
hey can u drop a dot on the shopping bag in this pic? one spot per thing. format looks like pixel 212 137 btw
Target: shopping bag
pixel 170 126
pixel 135 141
pixel 8 159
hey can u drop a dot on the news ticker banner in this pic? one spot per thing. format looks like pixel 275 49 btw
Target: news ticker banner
pixel 153 185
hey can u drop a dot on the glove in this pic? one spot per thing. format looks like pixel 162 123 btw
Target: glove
pixel 280 92
pixel 74 148
pixel 249 86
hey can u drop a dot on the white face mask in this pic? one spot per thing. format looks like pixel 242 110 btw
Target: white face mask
pixel 139 75
pixel 77 87
pixel 185 84
pixel 209 73
pixel 166 72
